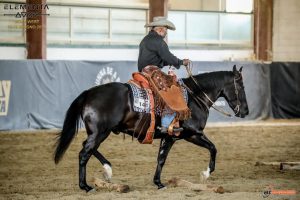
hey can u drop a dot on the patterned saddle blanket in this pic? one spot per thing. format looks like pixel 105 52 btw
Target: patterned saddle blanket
pixel 141 98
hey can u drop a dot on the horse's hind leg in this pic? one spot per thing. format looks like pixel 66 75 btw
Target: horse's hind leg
pixel 89 147
pixel 201 140
pixel 107 174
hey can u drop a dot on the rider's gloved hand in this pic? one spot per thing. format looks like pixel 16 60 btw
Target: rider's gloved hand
pixel 186 62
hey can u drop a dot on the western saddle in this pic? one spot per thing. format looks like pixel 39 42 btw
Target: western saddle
pixel 165 94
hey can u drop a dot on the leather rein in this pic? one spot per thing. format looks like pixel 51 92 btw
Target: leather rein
pixel 199 100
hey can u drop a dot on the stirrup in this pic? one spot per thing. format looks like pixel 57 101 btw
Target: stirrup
pixel 162 129
pixel 165 130
pixel 177 129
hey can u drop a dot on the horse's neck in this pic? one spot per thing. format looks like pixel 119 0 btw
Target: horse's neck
pixel 212 96
pixel 213 88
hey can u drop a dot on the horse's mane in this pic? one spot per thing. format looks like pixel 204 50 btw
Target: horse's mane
pixel 209 80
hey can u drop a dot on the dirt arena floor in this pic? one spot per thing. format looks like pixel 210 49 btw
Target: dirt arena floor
pixel 27 170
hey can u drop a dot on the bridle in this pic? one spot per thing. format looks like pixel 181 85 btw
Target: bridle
pixel 197 99
pixel 236 91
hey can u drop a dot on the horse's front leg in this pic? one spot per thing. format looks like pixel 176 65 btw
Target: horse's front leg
pixel 165 146
pixel 201 140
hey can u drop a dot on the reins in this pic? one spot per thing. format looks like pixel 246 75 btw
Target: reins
pixel 190 75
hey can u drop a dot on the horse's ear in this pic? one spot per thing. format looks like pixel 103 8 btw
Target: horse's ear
pixel 234 68
pixel 240 70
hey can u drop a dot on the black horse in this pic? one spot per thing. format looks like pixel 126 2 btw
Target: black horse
pixel 108 108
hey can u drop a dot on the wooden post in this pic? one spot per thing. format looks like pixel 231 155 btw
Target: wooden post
pixel 36 42
pixel 263 28
pixel 157 8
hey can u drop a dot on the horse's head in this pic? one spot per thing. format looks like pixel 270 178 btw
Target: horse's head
pixel 235 95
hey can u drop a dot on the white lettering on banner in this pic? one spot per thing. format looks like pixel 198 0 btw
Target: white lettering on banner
pixel 107 75
pixel 5 86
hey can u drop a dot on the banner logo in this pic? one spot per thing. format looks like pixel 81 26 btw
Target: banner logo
pixel 4 96
pixel 270 191
pixel 21 10
pixel 107 75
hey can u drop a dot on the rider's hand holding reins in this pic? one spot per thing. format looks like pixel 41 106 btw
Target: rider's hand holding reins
pixel 186 62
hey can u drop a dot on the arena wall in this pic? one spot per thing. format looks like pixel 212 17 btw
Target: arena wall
pixel 37 93
pixel 117 54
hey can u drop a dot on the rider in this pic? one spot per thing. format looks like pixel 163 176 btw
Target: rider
pixel 153 50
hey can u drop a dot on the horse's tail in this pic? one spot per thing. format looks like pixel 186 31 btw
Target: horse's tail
pixel 70 127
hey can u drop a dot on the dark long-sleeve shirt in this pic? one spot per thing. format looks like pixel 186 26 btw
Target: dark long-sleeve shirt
pixel 155 51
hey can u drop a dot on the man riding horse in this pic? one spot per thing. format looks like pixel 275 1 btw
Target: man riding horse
pixel 108 108
pixel 154 54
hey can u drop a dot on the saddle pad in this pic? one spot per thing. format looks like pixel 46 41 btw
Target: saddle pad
pixel 141 98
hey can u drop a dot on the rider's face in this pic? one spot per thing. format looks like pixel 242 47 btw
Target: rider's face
pixel 162 31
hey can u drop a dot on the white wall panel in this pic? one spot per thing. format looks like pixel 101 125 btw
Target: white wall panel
pixel 286 30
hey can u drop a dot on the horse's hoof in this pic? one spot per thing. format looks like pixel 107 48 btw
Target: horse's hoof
pixel 161 187
pixel 107 174
pixel 203 177
pixel 92 191
pixel 85 187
